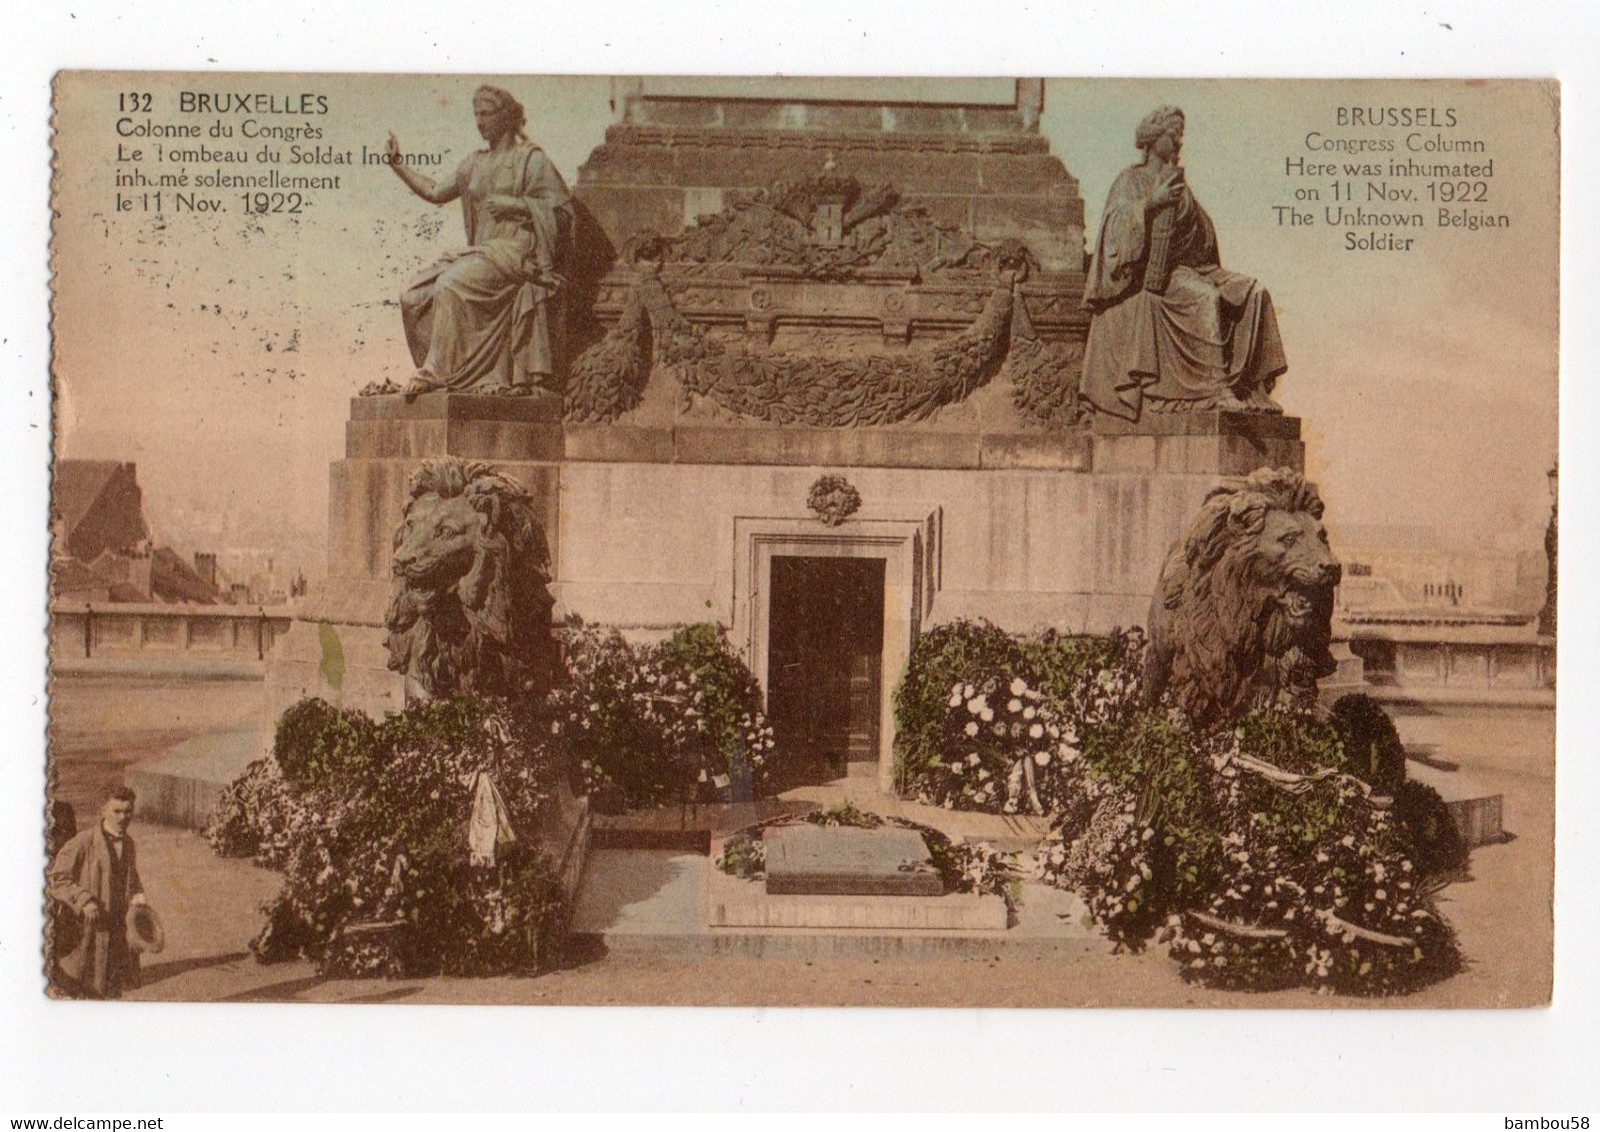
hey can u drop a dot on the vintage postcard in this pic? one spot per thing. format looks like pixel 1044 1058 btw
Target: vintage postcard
pixel 982 542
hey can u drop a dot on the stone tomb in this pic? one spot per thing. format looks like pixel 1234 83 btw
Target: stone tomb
pixel 809 860
pixel 852 241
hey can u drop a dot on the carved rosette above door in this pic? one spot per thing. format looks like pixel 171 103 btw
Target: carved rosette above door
pixel 833 499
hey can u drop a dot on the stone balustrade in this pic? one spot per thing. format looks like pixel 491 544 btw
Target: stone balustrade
pixel 88 635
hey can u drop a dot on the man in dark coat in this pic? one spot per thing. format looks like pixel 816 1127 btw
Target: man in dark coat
pixel 96 877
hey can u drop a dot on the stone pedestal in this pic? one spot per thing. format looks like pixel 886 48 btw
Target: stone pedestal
pixel 807 860
pixel 1210 443
pixel 336 647
pixel 983 168
pixel 660 525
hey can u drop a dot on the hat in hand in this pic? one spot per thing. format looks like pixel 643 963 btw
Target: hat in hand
pixel 144 930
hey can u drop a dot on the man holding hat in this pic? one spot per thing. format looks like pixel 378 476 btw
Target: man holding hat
pixel 96 875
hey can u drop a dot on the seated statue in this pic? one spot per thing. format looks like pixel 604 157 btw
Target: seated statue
pixel 1173 330
pixel 485 319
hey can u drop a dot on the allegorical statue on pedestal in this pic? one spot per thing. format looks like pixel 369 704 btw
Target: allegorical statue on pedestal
pixel 486 319
pixel 1173 330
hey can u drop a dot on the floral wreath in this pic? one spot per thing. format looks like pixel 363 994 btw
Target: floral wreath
pixel 833 499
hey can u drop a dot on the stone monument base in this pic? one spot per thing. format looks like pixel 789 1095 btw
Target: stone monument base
pixel 740 904
pixel 668 521
pixel 808 860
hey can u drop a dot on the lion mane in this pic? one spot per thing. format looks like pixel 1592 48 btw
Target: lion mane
pixel 471 606
pixel 1241 618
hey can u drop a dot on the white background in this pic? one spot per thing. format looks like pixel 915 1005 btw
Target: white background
pixel 82 1058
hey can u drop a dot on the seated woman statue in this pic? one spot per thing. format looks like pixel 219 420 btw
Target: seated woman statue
pixel 485 319
pixel 1173 330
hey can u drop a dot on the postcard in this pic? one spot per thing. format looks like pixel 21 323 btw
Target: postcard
pixel 827 541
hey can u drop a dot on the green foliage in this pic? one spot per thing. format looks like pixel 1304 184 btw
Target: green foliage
pixel 656 724
pixel 942 657
pixel 957 741
pixel 1268 864
pixel 1373 751
pixel 601 721
pixel 846 814
pixel 1429 830
pixel 247 810
pixel 743 855
pixel 1154 759
pixel 1056 663
pixel 1302 744
pixel 315 743
pixel 514 929
pixel 701 657
pixel 378 879
pixel 1292 741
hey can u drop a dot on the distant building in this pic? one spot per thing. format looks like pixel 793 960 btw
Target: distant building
pixel 102 551
pixel 96 506
pixel 1423 577
pixel 251 578
pixel 71 580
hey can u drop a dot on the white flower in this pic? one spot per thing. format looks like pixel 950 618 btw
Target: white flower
pixel 971 728
pixel 1042 758
pixel 1014 705
pixel 987 715
pixel 1030 712
pixel 972 759
pixel 955 699
pixel 1036 732
pixel 1018 686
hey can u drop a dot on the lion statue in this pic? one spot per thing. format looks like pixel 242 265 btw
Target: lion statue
pixel 471 611
pixel 1240 620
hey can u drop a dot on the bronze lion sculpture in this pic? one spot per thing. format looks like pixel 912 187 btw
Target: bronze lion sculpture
pixel 471 607
pixel 1240 619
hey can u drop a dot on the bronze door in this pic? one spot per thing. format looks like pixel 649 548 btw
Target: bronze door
pixel 825 664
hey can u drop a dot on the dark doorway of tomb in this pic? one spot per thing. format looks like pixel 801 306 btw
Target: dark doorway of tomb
pixel 825 666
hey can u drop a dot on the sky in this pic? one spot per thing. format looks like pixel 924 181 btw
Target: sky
pixel 219 351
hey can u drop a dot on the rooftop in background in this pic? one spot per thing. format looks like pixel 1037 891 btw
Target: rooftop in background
pixel 95 506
